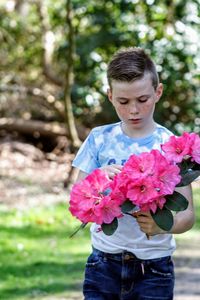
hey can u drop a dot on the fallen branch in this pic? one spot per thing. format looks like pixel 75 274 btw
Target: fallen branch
pixel 35 128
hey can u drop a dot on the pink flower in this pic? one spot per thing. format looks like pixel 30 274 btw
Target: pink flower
pixel 146 194
pixel 118 189
pixel 108 209
pixel 167 174
pixel 90 200
pixel 145 180
pixel 178 147
pixel 154 204
pixel 142 191
pixel 136 168
pixel 195 149
pixel 139 166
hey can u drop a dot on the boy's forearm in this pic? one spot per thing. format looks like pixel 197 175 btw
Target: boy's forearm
pixel 183 221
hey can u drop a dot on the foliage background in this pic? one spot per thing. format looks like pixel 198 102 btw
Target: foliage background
pixel 34 55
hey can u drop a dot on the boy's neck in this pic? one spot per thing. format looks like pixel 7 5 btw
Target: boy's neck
pixel 138 133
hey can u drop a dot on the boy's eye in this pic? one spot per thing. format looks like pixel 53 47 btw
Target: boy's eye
pixel 143 100
pixel 123 103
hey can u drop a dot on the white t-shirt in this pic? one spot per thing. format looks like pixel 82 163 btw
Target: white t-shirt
pixel 107 145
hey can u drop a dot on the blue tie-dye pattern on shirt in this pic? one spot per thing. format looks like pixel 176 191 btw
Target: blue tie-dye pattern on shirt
pixel 108 145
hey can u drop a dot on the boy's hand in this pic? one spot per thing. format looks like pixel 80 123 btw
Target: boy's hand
pixel 112 170
pixel 147 223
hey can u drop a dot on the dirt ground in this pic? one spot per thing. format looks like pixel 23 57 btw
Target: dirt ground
pixel 187 269
pixel 29 178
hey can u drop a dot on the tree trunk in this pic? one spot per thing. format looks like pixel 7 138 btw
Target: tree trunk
pixel 69 79
pixel 47 44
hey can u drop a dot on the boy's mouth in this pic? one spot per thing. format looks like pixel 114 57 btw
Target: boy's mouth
pixel 135 121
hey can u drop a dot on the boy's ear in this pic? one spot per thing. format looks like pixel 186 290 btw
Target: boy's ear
pixel 159 91
pixel 109 93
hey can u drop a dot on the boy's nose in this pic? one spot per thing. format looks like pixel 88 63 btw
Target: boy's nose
pixel 134 109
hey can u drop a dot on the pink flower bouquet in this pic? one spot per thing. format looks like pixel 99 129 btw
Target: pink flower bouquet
pixel 146 182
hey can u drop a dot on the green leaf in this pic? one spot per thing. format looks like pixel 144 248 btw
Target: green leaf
pixel 196 166
pixel 189 177
pixel 109 229
pixel 127 206
pixel 163 218
pixel 176 202
pixel 185 165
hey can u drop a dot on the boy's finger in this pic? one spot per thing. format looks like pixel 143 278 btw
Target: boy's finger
pixel 120 167
pixel 135 214
pixel 139 213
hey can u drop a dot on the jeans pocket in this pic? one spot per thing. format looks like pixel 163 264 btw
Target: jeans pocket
pixel 94 260
pixel 102 277
pixel 163 267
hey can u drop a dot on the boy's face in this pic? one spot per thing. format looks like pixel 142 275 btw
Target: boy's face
pixel 134 103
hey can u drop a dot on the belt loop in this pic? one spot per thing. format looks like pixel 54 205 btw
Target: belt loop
pixel 142 267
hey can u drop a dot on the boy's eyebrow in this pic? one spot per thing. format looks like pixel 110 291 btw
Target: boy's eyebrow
pixel 147 95
pixel 122 98
pixel 139 97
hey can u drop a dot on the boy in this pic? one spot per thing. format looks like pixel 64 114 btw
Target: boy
pixel 127 265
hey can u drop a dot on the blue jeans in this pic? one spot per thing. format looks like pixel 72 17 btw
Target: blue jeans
pixel 125 277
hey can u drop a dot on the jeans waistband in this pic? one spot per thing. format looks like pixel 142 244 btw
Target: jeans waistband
pixel 126 255
pixel 117 256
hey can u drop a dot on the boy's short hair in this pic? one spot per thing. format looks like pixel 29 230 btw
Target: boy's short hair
pixel 131 64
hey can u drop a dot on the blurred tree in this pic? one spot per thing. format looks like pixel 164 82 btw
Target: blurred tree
pixel 48 71
pixel 69 78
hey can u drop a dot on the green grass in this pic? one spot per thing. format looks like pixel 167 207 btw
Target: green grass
pixel 37 257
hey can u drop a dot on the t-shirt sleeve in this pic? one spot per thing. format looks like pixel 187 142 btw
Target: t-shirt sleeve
pixel 86 158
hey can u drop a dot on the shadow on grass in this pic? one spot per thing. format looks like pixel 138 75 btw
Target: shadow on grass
pixel 41 268
pixel 41 278
pixel 37 290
